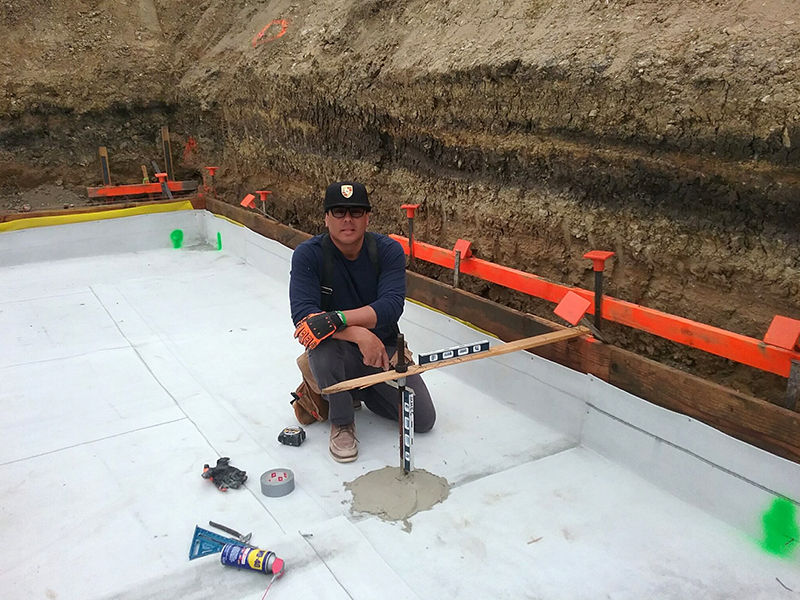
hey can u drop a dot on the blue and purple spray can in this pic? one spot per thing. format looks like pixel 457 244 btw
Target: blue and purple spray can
pixel 253 559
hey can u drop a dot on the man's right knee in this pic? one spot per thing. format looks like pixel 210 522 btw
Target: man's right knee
pixel 327 351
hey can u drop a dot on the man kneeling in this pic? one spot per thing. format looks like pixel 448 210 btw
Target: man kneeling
pixel 347 291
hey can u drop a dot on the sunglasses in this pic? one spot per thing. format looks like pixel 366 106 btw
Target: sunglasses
pixel 355 211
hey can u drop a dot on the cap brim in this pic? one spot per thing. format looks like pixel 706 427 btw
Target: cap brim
pixel 348 205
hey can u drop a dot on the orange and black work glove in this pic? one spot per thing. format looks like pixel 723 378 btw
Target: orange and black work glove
pixel 315 328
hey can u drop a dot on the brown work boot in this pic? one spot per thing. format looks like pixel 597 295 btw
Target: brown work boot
pixel 343 444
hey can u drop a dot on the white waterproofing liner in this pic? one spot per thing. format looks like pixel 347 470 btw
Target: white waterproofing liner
pixel 126 364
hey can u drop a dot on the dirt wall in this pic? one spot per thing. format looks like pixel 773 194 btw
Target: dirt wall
pixel 667 132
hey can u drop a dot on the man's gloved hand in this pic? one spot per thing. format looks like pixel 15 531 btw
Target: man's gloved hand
pixel 315 328
pixel 224 475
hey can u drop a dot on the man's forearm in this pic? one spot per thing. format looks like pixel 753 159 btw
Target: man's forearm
pixel 350 334
pixel 361 317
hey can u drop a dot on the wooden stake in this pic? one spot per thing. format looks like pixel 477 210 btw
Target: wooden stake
pixel 104 165
pixel 524 344
pixel 166 143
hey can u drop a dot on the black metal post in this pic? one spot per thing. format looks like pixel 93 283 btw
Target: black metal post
pixel 598 300
pixel 793 386
pixel 456 268
pixel 411 242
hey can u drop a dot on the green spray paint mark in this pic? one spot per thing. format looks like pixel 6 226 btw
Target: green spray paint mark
pixel 219 241
pixel 177 238
pixel 781 532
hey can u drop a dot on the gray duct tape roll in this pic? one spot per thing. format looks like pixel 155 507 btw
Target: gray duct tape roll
pixel 277 482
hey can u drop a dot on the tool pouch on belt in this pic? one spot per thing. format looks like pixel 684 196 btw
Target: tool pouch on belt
pixel 307 402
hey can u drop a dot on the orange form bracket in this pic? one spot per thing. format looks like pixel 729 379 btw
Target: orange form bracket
pixel 139 189
pixel 714 340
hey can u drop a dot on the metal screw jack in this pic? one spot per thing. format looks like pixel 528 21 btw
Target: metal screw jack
pixel 410 210
pixel 598 258
pixel 212 171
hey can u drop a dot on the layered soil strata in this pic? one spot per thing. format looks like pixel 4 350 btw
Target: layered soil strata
pixel 668 132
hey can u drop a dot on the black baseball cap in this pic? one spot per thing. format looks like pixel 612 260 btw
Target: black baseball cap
pixel 346 193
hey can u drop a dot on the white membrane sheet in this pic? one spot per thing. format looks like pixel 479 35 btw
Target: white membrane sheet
pixel 126 364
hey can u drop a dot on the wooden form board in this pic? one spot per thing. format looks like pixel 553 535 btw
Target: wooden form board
pixel 104 167
pixel 745 417
pixel 259 223
pixel 167 146
pixel 758 422
pixel 197 203
pixel 531 342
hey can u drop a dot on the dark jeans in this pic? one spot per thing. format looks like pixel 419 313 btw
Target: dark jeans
pixel 334 361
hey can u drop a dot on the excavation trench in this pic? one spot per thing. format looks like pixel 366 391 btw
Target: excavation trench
pixel 666 133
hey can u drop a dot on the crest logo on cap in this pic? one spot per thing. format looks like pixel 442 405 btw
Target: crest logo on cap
pixel 347 191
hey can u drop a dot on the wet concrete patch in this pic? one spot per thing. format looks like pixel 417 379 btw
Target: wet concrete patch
pixel 395 496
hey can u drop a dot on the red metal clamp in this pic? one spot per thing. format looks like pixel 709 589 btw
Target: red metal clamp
pixel 783 332
pixel 464 247
pixel 599 258
pixel 410 209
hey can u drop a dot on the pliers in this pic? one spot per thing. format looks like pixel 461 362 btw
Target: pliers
pixel 244 539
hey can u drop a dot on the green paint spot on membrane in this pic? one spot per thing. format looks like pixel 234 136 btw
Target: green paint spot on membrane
pixel 219 241
pixel 781 532
pixel 177 238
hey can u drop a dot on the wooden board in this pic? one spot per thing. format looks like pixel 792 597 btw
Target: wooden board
pixel 752 420
pixel 106 170
pixel 740 415
pixel 523 344
pixel 167 145
pixel 259 223
pixel 197 203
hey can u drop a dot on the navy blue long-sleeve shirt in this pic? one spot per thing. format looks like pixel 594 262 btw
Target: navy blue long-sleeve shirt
pixel 354 283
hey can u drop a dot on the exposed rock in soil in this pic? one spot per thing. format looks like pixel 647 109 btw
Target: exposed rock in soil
pixel 43 197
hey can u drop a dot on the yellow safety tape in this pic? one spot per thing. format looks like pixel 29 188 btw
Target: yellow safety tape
pixel 31 222
pixel 226 219
pixel 463 322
